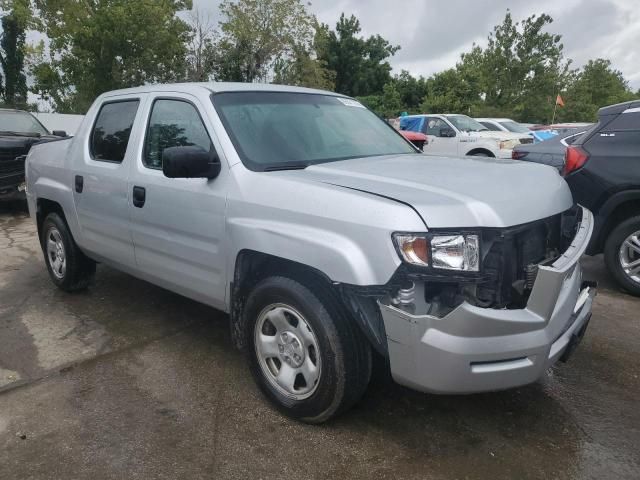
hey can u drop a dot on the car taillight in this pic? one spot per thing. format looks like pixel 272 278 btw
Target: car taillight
pixel 517 154
pixel 574 158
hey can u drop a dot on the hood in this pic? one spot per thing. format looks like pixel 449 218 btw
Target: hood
pixel 499 136
pixel 453 192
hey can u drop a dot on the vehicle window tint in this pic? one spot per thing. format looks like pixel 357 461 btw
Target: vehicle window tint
pixel 624 121
pixel 434 125
pixel 491 126
pixel 173 123
pixel 110 134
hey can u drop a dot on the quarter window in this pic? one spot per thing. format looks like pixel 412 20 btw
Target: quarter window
pixel 110 134
pixel 173 123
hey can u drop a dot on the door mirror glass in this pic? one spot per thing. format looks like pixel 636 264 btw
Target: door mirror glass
pixel 189 162
pixel 59 133
pixel 447 132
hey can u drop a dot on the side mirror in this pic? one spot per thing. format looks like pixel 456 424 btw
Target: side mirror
pixel 189 162
pixel 447 132
pixel 59 133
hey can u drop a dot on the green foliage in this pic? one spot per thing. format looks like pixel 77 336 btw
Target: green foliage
pixel 412 91
pixel 258 35
pixel 101 45
pixel 360 64
pixel 18 17
pixel 597 85
pixel 387 105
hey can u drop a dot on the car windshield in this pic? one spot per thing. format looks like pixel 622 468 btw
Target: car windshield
pixel 20 122
pixel 466 124
pixel 282 130
pixel 514 127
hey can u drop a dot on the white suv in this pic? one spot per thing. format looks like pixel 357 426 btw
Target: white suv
pixel 459 135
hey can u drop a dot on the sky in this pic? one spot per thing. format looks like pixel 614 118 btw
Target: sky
pixel 433 34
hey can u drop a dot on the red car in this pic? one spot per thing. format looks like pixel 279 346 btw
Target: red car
pixel 417 138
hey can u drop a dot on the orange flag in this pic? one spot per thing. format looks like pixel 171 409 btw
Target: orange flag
pixel 559 101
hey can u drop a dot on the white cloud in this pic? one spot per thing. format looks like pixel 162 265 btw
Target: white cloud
pixel 433 34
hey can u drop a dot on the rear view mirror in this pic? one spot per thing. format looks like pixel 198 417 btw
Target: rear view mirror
pixel 447 132
pixel 189 162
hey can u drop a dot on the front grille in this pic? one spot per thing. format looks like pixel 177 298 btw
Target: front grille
pixel 514 254
pixel 13 165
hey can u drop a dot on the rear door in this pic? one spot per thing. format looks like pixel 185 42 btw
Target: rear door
pixel 100 181
pixel 614 159
pixel 178 224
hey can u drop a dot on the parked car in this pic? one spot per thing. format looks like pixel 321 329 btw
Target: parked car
pixel 325 236
pixel 460 135
pixel 417 138
pixel 550 152
pixel 507 125
pixel 19 131
pixel 602 168
pixel 567 128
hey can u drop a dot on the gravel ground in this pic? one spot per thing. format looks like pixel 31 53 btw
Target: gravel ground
pixel 128 380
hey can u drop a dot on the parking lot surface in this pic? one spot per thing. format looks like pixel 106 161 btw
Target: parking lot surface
pixel 128 380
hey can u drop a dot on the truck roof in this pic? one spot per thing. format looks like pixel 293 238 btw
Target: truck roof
pixel 217 87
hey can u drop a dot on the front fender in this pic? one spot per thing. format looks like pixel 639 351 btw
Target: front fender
pixel 342 257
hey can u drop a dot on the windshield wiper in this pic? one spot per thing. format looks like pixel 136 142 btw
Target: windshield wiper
pixel 19 134
pixel 286 166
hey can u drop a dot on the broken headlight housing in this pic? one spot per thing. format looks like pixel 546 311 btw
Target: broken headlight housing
pixel 457 252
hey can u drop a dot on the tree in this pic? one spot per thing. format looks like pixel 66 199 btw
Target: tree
pixel 411 89
pixel 258 35
pixel 520 69
pixel 360 64
pixel 101 45
pixel 201 49
pixel 449 92
pixel 595 86
pixel 16 20
pixel 387 105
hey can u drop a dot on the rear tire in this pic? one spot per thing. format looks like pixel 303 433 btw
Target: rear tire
pixel 623 259
pixel 69 268
pixel 310 360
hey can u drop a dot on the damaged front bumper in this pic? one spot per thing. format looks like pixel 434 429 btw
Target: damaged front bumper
pixel 474 349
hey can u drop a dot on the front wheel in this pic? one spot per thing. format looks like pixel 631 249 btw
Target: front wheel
pixel 68 267
pixel 622 255
pixel 306 355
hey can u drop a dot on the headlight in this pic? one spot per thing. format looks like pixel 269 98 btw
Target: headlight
pixel 456 252
pixel 509 144
pixel 444 252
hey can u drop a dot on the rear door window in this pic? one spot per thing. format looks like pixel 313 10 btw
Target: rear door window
pixel 626 121
pixel 110 135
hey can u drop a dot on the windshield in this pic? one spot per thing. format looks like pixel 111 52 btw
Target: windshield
pixel 514 127
pixel 280 130
pixel 21 122
pixel 466 124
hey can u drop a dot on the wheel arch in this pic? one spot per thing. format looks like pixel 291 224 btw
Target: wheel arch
pixel 479 150
pixel 252 266
pixel 615 210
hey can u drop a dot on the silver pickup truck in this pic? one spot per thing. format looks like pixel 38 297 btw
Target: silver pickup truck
pixel 324 235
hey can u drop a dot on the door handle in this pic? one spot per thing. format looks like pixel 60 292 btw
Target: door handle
pixel 79 181
pixel 139 196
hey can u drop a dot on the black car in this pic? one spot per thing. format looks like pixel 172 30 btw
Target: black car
pixel 550 152
pixel 19 131
pixel 602 168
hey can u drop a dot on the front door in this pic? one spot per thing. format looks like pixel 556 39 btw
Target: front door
pixel 100 182
pixel 438 144
pixel 178 224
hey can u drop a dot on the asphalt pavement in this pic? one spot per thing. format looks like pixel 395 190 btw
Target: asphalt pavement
pixel 128 380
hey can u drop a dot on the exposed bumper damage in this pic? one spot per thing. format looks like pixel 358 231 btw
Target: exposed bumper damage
pixel 473 349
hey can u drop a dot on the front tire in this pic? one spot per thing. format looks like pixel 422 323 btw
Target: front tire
pixel 69 268
pixel 305 354
pixel 622 255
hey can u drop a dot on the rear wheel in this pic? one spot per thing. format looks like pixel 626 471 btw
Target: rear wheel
pixel 306 355
pixel 68 267
pixel 622 255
